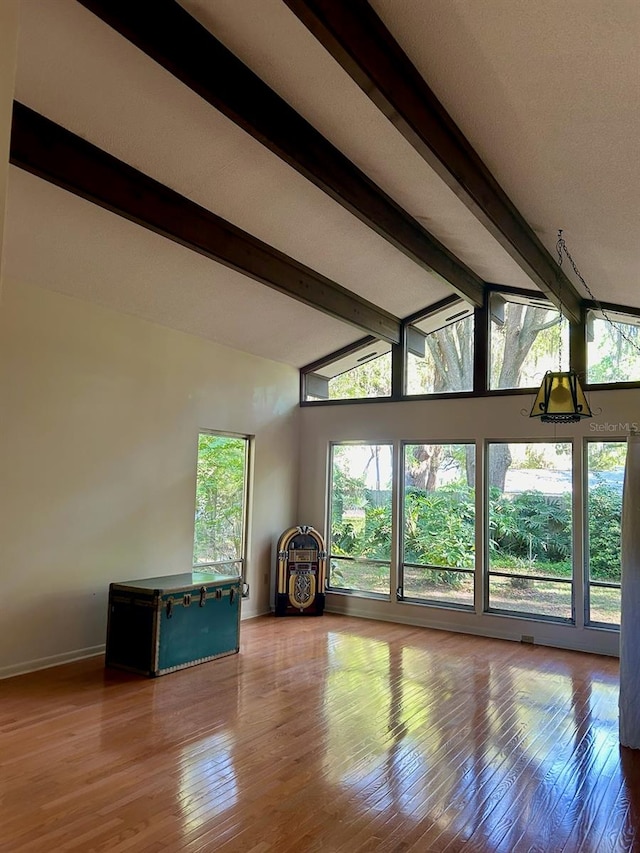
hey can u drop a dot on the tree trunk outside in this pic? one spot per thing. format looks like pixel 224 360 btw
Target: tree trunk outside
pixel 499 461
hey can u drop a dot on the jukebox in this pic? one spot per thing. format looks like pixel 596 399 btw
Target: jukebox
pixel 301 575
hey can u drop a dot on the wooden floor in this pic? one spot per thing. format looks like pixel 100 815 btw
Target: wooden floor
pixel 330 734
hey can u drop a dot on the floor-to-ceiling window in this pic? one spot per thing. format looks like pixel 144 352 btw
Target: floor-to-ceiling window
pixel 605 462
pixel 530 528
pixel 360 517
pixel 438 523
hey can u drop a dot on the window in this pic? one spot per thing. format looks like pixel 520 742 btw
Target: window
pixel 363 371
pixel 221 502
pixel 439 523
pixel 530 529
pixel 526 334
pixel 360 513
pixel 440 351
pixel 613 348
pixel 605 477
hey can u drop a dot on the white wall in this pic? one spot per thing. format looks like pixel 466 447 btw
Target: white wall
pixel 9 17
pixel 99 415
pixel 449 421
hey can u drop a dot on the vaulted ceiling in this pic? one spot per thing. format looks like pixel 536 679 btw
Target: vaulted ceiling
pixel 344 182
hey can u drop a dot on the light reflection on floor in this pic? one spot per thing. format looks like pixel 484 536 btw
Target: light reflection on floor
pixel 418 756
pixel 207 782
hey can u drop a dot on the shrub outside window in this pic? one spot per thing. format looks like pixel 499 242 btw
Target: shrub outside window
pixel 530 570
pixel 360 513
pixel 605 478
pixel 439 524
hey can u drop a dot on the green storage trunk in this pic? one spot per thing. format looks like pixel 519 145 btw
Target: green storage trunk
pixel 158 625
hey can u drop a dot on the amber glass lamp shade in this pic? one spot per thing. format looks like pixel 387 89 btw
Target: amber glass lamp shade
pixel 560 399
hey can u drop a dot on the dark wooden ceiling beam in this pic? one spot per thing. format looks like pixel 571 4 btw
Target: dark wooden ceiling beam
pixel 173 38
pixel 360 42
pixel 49 151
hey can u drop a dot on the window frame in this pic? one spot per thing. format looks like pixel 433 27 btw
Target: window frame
pixel 339 590
pixel 440 316
pixel 576 350
pixel 249 441
pixel 321 371
pixel 588 583
pixel 620 314
pixel 402 563
pixel 498 299
pixel 488 573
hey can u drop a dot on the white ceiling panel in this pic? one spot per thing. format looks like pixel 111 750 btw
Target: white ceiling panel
pixel 80 73
pixel 266 36
pixel 58 241
pixel 547 92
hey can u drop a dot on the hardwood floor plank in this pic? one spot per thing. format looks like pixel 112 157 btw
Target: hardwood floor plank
pixel 539 824
pixel 334 735
pixel 496 794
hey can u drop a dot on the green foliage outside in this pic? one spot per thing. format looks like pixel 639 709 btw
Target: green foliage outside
pixel 220 491
pixel 614 353
pixel 440 530
pixel 372 379
pixel 530 528
pixel 605 511
pixel 529 533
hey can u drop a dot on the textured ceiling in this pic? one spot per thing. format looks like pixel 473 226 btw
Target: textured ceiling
pixel 122 266
pixel 547 92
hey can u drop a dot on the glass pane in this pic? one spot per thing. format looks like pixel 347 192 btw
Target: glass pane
pixel 604 605
pixel 360 575
pixel 613 351
pixel 371 379
pixel 360 514
pixel 220 498
pixel 438 585
pixel 447 365
pixel 231 568
pixel 525 344
pixel 605 466
pixel 539 598
pixel 357 374
pixel 438 519
pixel 530 524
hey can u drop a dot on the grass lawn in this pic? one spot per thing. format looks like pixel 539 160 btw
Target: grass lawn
pixel 539 597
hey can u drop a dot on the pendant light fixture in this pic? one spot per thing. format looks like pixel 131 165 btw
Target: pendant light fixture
pixel 560 398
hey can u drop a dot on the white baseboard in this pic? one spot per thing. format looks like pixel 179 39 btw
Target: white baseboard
pixel 576 644
pixel 68 657
pixel 51 660
pixel 592 641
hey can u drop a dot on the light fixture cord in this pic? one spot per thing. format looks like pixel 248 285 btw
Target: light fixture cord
pixel 561 247
pixel 559 251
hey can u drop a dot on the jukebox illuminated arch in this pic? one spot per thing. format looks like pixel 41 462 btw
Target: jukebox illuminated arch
pixel 302 560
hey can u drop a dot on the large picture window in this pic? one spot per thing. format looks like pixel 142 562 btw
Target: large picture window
pixel 439 523
pixel 530 529
pixel 605 477
pixel 360 513
pixel 221 502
